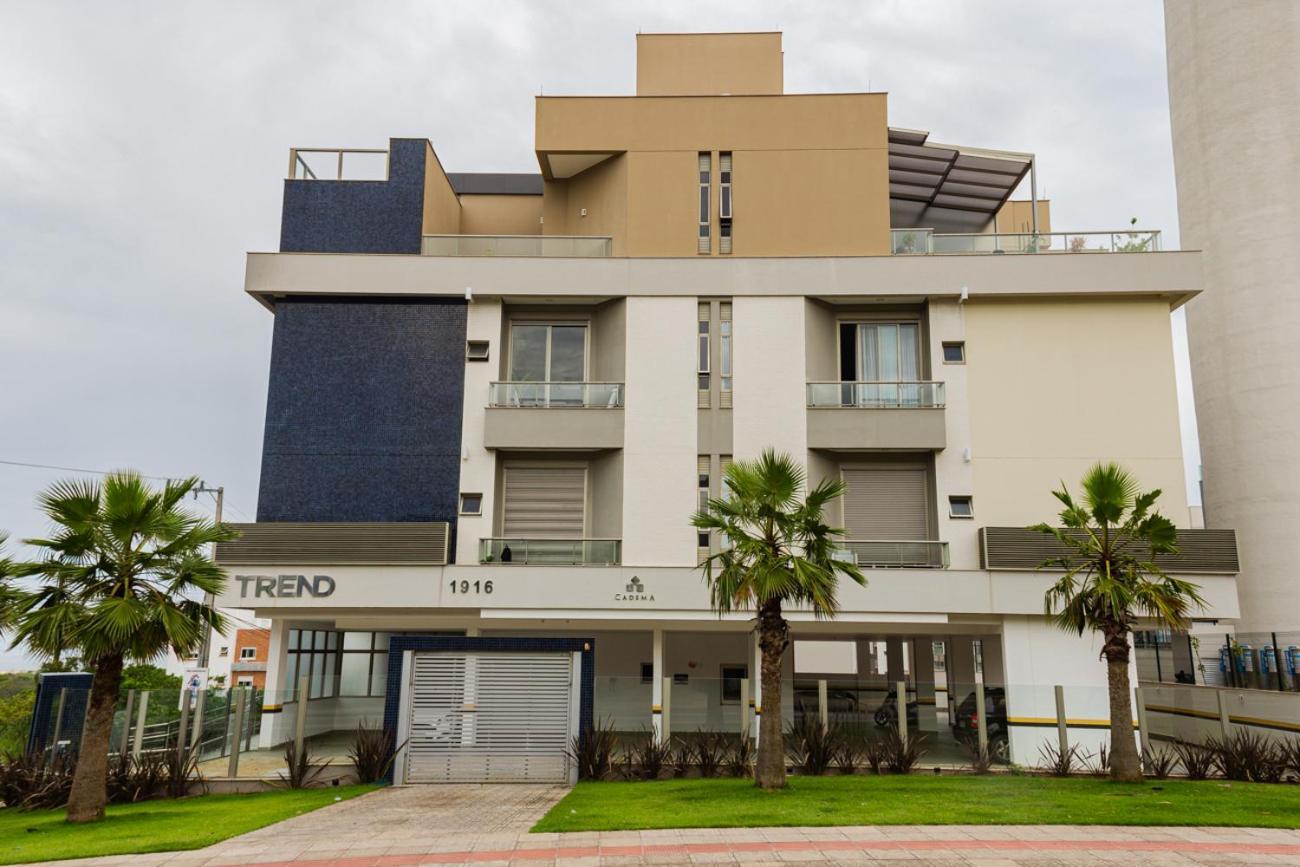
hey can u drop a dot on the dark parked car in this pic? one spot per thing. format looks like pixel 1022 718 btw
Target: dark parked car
pixel 965 722
pixel 838 701
pixel 887 713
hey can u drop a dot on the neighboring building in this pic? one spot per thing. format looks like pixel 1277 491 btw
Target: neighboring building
pixel 1234 98
pixel 495 401
pixel 220 650
pixel 249 658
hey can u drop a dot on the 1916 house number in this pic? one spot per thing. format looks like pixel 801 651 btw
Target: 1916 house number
pixel 464 587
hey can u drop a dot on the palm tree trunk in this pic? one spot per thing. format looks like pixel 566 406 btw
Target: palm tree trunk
pixel 89 792
pixel 1125 765
pixel 773 636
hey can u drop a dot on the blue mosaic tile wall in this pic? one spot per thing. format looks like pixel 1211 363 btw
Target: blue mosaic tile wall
pixel 363 411
pixel 399 644
pixel 326 216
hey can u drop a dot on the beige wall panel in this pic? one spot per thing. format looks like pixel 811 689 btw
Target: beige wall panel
pixel 1017 215
pixel 1057 385
pixel 603 191
pixel 441 207
pixel 663 201
pixel 821 342
pixel 843 121
pixel 605 486
pixel 675 64
pixel 659 453
pixel 555 208
pixel 811 203
pixel 478 472
pixel 500 215
pixel 954 474
pixel 609 342
pixel 769 403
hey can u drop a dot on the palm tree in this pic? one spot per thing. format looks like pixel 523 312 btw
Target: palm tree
pixel 778 549
pixel 121 576
pixel 1111 536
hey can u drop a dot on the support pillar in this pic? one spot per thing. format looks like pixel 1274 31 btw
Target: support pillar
pixel 923 673
pixel 895 660
pixel 758 684
pixel 961 670
pixel 277 686
pixel 657 686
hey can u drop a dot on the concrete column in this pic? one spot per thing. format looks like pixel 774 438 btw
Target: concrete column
pixel 758 682
pixel 657 686
pixel 961 669
pixel 994 666
pixel 923 672
pixel 273 724
pixel 896 661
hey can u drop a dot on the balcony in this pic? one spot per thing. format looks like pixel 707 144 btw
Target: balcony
pixel 554 415
pixel 903 554
pixel 926 242
pixel 551 552
pixel 558 246
pixel 858 416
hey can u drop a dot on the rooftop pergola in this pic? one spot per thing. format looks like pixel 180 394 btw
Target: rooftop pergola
pixel 955 177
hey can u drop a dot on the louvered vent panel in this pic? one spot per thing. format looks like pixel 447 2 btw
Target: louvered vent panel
pixel 335 543
pixel 490 718
pixel 1205 551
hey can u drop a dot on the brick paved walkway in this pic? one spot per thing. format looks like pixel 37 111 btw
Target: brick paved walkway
pixel 404 827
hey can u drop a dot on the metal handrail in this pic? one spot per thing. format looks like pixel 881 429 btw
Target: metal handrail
pixel 552 394
pixel 897 553
pixel 875 394
pixel 550 552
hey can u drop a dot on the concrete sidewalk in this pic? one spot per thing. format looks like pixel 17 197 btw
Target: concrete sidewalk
pixel 397 827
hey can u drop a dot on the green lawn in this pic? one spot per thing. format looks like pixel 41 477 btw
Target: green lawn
pixel 922 800
pixel 155 826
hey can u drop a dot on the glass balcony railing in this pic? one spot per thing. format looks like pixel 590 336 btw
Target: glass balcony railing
pixel 563 246
pixel 876 395
pixel 588 395
pixel 926 242
pixel 551 552
pixel 902 554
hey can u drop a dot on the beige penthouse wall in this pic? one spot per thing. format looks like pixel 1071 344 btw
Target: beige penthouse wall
pixel 1234 100
pixel 603 191
pixel 662 205
pixel 680 64
pixel 478 470
pixel 768 398
pixel 659 451
pixel 441 207
pixel 500 215
pixel 1017 215
pixel 608 350
pixel 1058 385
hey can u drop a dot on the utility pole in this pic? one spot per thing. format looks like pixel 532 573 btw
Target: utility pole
pixel 220 493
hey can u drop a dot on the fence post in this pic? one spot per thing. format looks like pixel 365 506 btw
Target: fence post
pixel 823 711
pixel 125 743
pixel 230 694
pixel 981 718
pixel 233 770
pixel 255 701
pixel 184 726
pixel 1225 722
pixel 667 715
pixel 140 715
pixel 1144 731
pixel 746 708
pixel 58 720
pixel 200 705
pixel 300 722
pixel 900 691
pixel 1278 663
pixel 1062 729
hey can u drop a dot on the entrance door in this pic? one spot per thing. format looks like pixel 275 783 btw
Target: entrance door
pixel 490 717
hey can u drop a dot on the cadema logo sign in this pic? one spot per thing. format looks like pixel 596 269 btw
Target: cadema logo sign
pixel 634 592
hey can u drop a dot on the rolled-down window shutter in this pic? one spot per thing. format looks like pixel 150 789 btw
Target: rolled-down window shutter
pixel 544 502
pixel 886 503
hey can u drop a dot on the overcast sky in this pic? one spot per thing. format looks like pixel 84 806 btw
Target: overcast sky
pixel 142 148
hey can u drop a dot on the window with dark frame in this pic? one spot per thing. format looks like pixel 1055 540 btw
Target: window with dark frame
pixel 248 653
pixel 731 676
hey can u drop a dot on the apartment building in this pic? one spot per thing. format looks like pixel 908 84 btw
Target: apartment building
pixel 496 399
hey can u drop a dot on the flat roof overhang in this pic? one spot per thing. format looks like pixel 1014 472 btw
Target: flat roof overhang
pixel 953 177
pixel 1173 275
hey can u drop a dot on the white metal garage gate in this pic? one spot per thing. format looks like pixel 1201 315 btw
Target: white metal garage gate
pixel 488 717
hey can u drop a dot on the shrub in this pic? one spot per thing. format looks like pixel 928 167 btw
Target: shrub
pixel 710 751
pixel 740 757
pixel 1159 762
pixel 874 752
pixel 28 781
pixel 1248 757
pixel 1289 753
pixel 182 769
pixel 301 773
pixel 136 778
pixel 981 758
pixel 681 756
pixel 902 753
pixel 372 753
pixel 811 746
pixel 1060 762
pixel 1098 764
pixel 647 758
pixel 850 752
pixel 1198 761
pixel 593 751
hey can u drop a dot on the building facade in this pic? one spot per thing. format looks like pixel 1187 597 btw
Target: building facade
pixel 1226 129
pixel 496 400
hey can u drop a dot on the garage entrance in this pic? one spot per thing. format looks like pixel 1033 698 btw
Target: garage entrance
pixel 488 717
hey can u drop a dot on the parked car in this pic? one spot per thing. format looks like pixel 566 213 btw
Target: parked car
pixel 838 701
pixel 965 722
pixel 887 713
